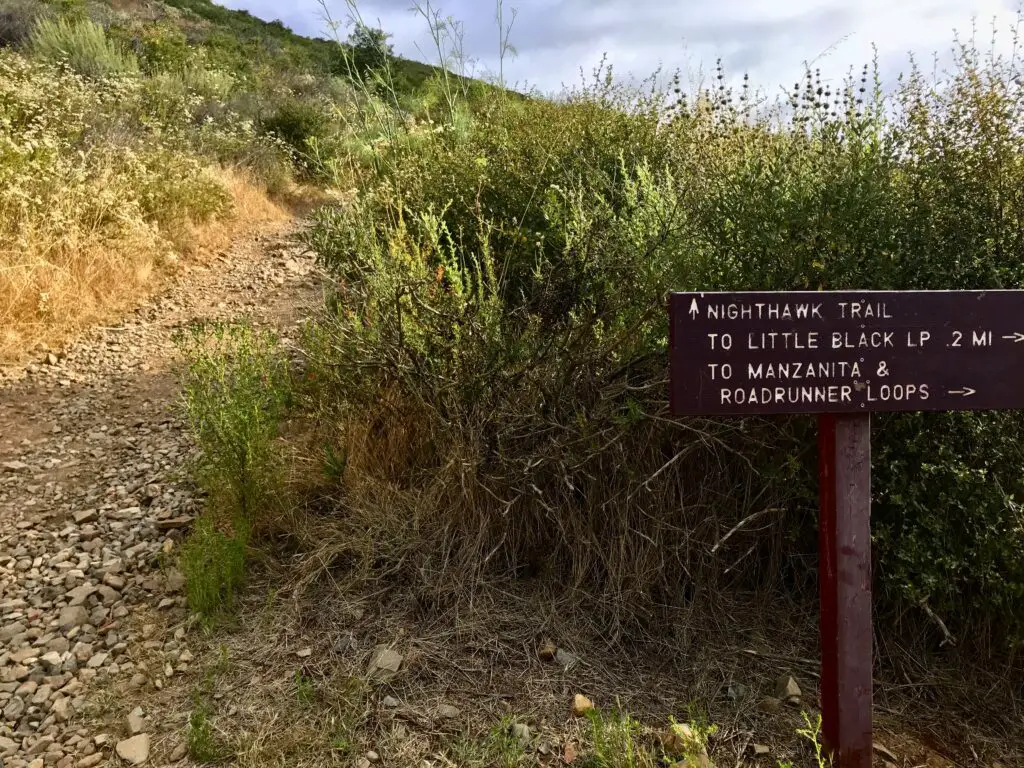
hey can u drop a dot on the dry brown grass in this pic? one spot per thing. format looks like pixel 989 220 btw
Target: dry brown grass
pixel 272 706
pixel 55 282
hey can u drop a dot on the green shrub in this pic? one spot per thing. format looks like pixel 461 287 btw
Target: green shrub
pixel 213 562
pixel 493 369
pixel 297 122
pixel 82 45
pixel 235 387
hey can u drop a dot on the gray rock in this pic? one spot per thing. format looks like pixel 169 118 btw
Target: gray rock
pixel 114 581
pixel 448 712
pixel 73 616
pixel 78 595
pixel 97 660
pixel 15 708
pixel 384 662
pixel 9 631
pixel 178 753
pixel 85 516
pixel 391 702
pixel 42 695
pixel 53 661
pixel 62 709
pixel 136 721
pixel 787 690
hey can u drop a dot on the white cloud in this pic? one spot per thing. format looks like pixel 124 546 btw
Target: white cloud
pixel 770 40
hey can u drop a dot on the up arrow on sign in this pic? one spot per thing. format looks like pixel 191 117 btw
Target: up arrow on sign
pixel 843 355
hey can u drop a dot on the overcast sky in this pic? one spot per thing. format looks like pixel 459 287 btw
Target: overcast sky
pixel 770 39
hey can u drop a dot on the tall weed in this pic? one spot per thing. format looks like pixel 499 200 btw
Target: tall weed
pixel 235 386
pixel 82 45
pixel 234 391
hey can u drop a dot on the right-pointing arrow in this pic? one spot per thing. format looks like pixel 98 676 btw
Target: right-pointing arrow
pixel 966 391
pixel 1016 338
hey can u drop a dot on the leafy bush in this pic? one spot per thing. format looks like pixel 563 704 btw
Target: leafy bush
pixel 493 368
pixel 82 45
pixel 234 388
pixel 298 122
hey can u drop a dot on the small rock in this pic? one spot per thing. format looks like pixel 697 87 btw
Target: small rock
pixel 178 753
pixel 770 705
pixel 136 721
pixel 760 750
pixel 391 702
pixel 85 516
pixel 448 712
pixel 113 581
pixel 91 761
pixel 78 595
pixel 304 653
pixel 53 661
pixel 73 616
pixel 14 466
pixel 521 733
pixel 581 705
pixel 62 709
pixel 362 762
pixel 173 522
pixel 384 661
pixel 134 750
pixel 372 756
pixel 787 690
pixel 15 708
pixel 175 580
pixel 97 660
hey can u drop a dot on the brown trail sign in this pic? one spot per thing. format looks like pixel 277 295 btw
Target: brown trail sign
pixel 844 355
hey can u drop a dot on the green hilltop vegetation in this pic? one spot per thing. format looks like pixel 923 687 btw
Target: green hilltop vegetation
pixel 487 383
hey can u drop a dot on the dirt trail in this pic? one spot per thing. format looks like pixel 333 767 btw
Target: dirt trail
pixel 93 490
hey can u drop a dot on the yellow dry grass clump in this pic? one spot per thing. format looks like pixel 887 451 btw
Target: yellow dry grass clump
pixel 95 203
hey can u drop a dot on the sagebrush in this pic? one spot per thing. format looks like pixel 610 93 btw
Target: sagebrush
pixel 493 367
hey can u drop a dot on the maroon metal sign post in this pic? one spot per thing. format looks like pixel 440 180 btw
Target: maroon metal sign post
pixel 844 355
